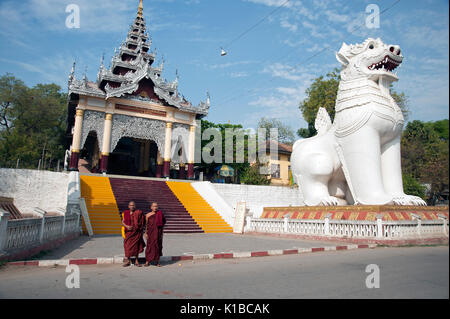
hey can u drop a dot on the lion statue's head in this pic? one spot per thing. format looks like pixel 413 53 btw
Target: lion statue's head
pixel 371 59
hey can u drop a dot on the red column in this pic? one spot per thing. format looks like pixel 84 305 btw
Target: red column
pixel 74 157
pixel 190 171
pixel 104 163
pixel 166 169
pixel 159 169
pixel 182 174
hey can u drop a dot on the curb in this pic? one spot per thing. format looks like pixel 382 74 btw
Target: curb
pixel 223 255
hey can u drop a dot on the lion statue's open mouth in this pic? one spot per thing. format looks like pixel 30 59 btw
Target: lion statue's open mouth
pixel 387 63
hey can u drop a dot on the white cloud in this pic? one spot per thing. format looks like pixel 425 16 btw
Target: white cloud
pixel 282 104
pixel 239 74
pixel 336 17
pixel 282 71
pixel 271 3
pixel 286 24
pixel 314 29
pixel 95 16
pixel 314 48
pixel 228 65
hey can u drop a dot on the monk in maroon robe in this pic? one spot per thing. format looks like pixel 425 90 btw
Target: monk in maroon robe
pixel 155 222
pixel 134 221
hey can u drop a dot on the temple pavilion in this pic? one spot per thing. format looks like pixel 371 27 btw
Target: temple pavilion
pixel 131 121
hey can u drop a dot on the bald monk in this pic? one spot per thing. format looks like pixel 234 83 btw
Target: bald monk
pixel 155 222
pixel 134 221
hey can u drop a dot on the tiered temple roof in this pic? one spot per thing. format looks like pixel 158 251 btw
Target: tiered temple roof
pixel 133 76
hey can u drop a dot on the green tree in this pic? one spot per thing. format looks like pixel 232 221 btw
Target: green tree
pixel 402 101
pixel 12 92
pixel 209 168
pixel 285 132
pixel 411 186
pixel 32 123
pixel 252 175
pixel 440 127
pixel 321 93
pixel 425 154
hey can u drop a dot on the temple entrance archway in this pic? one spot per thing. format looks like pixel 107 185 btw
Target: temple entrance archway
pixel 90 154
pixel 134 157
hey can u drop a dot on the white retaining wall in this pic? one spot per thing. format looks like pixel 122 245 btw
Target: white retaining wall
pixel 32 188
pixel 215 200
pixel 257 197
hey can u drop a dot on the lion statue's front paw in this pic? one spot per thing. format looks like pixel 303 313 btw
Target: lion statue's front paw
pixel 409 200
pixel 329 201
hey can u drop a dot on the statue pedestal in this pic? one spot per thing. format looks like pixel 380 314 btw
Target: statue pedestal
pixel 369 213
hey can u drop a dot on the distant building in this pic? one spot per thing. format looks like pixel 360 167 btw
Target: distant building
pixel 280 165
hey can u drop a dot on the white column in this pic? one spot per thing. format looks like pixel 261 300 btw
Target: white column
pixel 444 224
pixel 168 142
pixel 76 140
pixel 380 226
pixel 248 224
pixel 4 216
pixel 167 150
pixel 41 232
pixel 327 224
pixel 285 225
pixel 106 147
pixel 191 153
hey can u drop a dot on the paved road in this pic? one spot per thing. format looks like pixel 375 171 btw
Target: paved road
pixel 179 244
pixel 409 272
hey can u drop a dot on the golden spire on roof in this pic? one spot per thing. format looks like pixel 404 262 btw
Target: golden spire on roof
pixel 140 9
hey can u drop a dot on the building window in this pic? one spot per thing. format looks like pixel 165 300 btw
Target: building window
pixel 275 170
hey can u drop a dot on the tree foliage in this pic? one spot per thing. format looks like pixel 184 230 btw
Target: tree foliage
pixel 238 129
pixel 412 186
pixel 252 175
pixel 425 153
pixel 32 123
pixel 285 132
pixel 321 93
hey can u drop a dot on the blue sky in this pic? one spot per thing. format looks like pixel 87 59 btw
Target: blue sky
pixel 265 72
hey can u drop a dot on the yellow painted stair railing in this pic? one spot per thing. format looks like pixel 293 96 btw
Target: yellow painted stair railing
pixel 203 214
pixel 101 205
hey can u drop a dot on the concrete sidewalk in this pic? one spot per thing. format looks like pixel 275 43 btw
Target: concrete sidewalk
pixel 180 244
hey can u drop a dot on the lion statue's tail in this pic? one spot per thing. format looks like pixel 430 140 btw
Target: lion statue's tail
pixel 322 125
pixel 323 121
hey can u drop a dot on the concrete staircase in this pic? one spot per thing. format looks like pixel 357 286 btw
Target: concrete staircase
pixel 184 208
pixel 205 216
pixel 144 192
pixel 101 205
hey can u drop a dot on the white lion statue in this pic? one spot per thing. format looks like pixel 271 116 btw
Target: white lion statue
pixel 356 159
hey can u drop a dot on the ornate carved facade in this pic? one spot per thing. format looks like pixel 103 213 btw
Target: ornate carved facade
pixel 132 111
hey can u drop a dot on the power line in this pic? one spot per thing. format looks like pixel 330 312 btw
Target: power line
pixel 256 24
pixel 351 31
pixel 231 98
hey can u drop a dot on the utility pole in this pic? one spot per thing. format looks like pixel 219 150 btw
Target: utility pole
pixel 42 157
